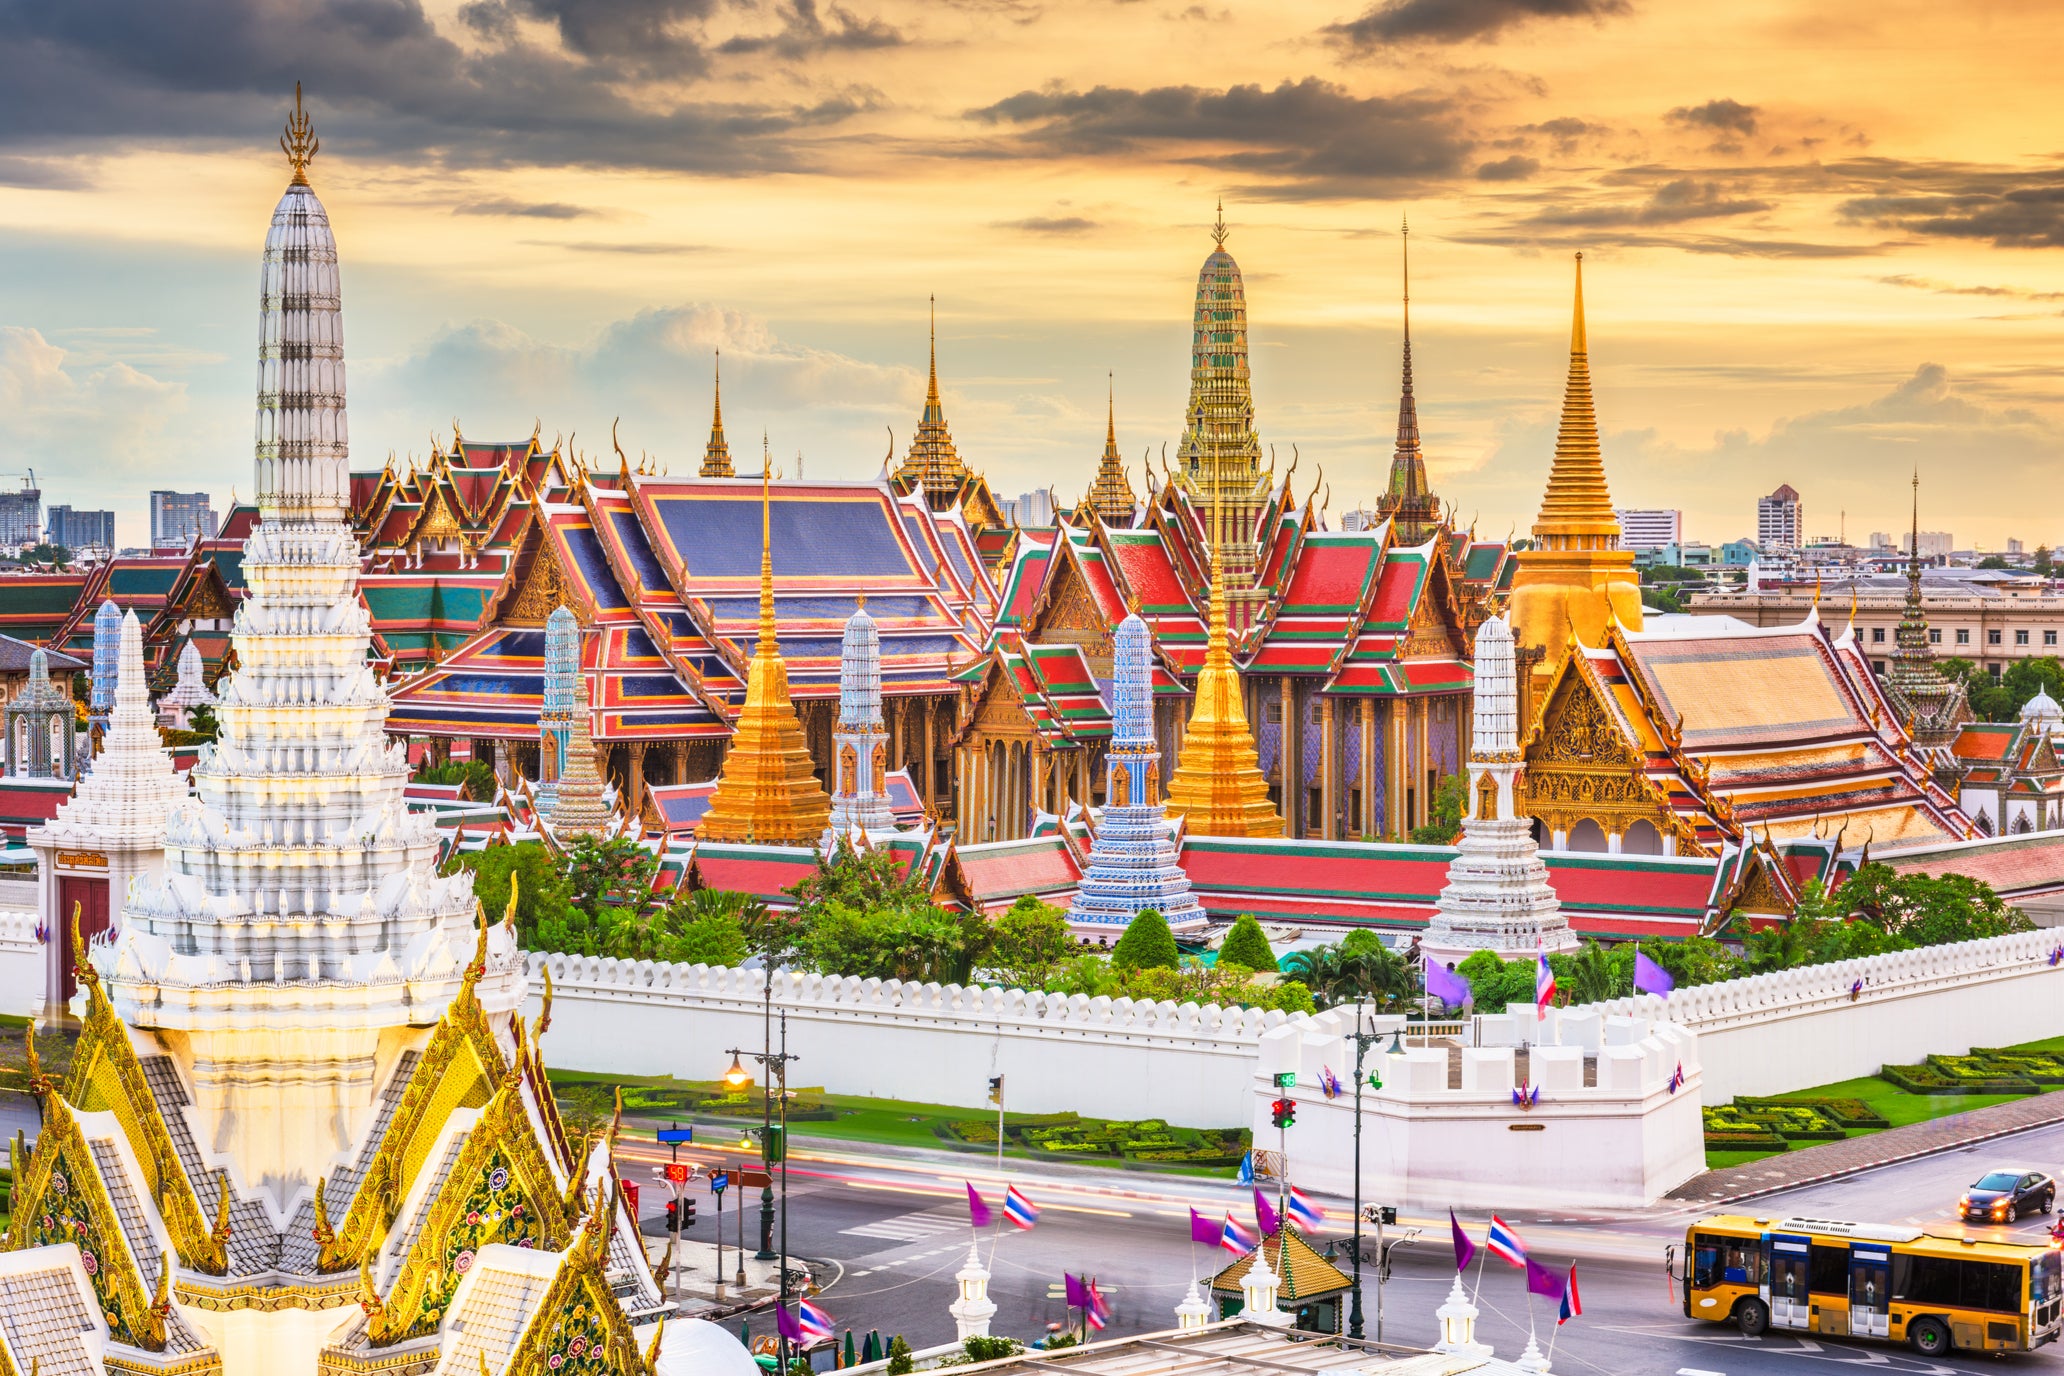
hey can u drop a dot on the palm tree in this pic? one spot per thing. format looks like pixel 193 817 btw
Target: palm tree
pixel 1592 975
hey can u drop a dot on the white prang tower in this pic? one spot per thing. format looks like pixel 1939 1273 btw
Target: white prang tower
pixel 860 745
pixel 1497 897
pixel 300 912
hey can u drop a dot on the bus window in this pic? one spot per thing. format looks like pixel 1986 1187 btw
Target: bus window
pixel 1830 1271
pixel 1721 1260
pixel 1705 1262
pixel 1955 1282
pixel 2044 1284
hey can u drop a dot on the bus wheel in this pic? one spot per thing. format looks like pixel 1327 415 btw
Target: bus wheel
pixel 1930 1337
pixel 1752 1317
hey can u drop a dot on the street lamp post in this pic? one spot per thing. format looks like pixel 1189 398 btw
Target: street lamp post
pixel 775 1066
pixel 1363 1041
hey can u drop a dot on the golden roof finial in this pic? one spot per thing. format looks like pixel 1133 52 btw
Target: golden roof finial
pixel 299 142
pixel 1219 231
pixel 768 643
pixel 1578 344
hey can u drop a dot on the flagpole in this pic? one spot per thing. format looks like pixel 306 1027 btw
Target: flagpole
pixel 1482 1257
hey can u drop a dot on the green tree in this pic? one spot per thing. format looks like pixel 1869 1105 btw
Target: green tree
pixel 860 913
pixel 1147 943
pixel 1246 944
pixel 1493 983
pixel 1593 973
pixel 706 927
pixel 1928 911
pixel 1030 943
pixel 200 719
pixel 1694 960
pixel 900 1361
pixel 610 871
pixel 541 887
pixel 2042 560
pixel 1450 799
pixel 475 775
pixel 1994 561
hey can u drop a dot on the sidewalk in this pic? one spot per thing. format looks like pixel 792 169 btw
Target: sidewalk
pixel 695 1280
pixel 1811 1165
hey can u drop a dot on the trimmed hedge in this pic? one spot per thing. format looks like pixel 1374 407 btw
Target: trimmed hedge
pixel 1148 1139
pixel 1978 1073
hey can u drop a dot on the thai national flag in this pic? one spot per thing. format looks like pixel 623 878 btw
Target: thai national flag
pixel 1304 1213
pixel 1544 984
pixel 1677 1079
pixel 1329 1083
pixel 1505 1243
pixel 1237 1238
pixel 1572 1303
pixel 1022 1212
pixel 1098 1310
pixel 815 1323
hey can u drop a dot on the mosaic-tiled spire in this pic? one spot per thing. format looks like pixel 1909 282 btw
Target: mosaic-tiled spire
pixel 768 791
pixel 561 705
pixel 860 745
pixel 580 806
pixel 1218 786
pixel 1221 453
pixel 716 455
pixel 41 739
pixel 1132 861
pixel 1409 501
pixel 107 667
pixel 1497 896
pixel 1110 495
pixel 1931 707
pixel 130 788
pixel 933 462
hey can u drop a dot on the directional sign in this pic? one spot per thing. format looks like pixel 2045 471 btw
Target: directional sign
pixel 667 1135
pixel 717 1181
pixel 747 1178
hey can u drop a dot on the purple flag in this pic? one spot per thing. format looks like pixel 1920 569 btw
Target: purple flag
pixel 1205 1230
pixel 1265 1215
pixel 1447 986
pixel 1079 1296
pixel 1543 1281
pixel 1465 1246
pixel 1651 978
pixel 978 1212
pixel 785 1324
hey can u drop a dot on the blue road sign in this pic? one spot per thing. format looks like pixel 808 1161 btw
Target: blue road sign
pixel 717 1181
pixel 676 1135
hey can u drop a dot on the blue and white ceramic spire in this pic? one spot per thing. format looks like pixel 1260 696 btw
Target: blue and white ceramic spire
pixel 562 683
pixel 1132 864
pixel 860 745
pixel 107 660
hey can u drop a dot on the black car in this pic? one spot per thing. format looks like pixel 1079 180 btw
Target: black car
pixel 2004 1195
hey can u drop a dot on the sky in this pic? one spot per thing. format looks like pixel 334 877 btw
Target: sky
pixel 1822 237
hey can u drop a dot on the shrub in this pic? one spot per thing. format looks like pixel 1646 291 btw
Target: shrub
pixel 990 1349
pixel 1247 945
pixel 1146 945
pixel 900 1361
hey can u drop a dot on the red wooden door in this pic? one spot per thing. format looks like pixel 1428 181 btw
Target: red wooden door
pixel 91 895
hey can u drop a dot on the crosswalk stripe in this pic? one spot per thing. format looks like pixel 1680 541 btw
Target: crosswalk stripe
pixel 905 1227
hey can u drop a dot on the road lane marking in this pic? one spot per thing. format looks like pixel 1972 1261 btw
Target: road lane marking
pixel 905 1228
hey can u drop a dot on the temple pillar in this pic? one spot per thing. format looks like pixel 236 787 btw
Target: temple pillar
pixel 1425 776
pixel 634 793
pixel 1369 782
pixel 1612 842
pixel 680 762
pixel 1396 816
pixel 1329 773
pixel 1290 756
pixel 930 770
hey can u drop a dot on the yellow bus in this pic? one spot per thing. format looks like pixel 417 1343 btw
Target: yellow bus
pixel 1862 1280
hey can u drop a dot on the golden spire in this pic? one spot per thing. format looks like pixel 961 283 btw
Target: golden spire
pixel 1219 231
pixel 716 455
pixel 299 142
pixel 1577 511
pixel 1218 784
pixel 1110 495
pixel 768 791
pixel 932 462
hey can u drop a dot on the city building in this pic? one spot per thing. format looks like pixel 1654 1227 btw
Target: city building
pixel 21 515
pixel 81 530
pixel 2015 546
pixel 1935 545
pixel 177 519
pixel 1649 528
pixel 1780 519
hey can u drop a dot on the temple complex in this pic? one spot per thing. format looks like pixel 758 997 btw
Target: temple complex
pixel 1576 579
pixel 302 1126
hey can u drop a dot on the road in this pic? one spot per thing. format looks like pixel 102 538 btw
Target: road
pixel 890 1231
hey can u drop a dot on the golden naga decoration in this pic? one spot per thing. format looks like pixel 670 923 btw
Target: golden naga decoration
pixel 161 1305
pixel 299 142
pixel 651 1362
pixel 544 1021
pixel 323 1233
pixel 222 1202
pixel 40 1084
pixel 768 791
pixel 105 1076
pixel 1218 786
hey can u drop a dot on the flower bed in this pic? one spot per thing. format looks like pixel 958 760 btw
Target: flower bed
pixel 1149 1139
pixel 1978 1073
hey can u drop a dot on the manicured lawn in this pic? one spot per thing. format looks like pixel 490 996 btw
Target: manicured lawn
pixel 1891 1103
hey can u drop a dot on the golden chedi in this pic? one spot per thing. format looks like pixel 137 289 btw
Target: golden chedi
pixel 1218 788
pixel 768 791
pixel 1576 579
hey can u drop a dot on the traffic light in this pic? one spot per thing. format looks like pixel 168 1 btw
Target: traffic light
pixel 774 1144
pixel 687 1213
pixel 996 1089
pixel 1283 1113
pixel 672 1215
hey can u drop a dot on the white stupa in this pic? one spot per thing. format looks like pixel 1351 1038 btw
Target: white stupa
pixel 175 708
pixel 1497 897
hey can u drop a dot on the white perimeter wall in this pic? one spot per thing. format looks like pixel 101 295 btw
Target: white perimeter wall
pixel 937 1044
pixel 21 955
pixel 1114 1058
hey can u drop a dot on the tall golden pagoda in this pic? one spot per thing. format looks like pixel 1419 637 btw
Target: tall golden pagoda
pixel 1218 784
pixel 1221 453
pixel 716 456
pixel 767 792
pixel 1110 496
pixel 1576 578
pixel 933 463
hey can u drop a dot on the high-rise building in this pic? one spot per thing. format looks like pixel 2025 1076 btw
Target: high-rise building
pixel 81 529
pixel 1644 528
pixel 1780 519
pixel 180 518
pixel 21 516
pixel 2016 547
pixel 1936 544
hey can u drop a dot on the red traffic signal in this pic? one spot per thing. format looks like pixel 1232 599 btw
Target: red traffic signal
pixel 1283 1113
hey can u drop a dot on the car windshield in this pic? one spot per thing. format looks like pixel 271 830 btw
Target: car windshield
pixel 1998 1180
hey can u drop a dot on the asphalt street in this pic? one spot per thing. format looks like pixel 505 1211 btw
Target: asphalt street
pixel 887 1232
